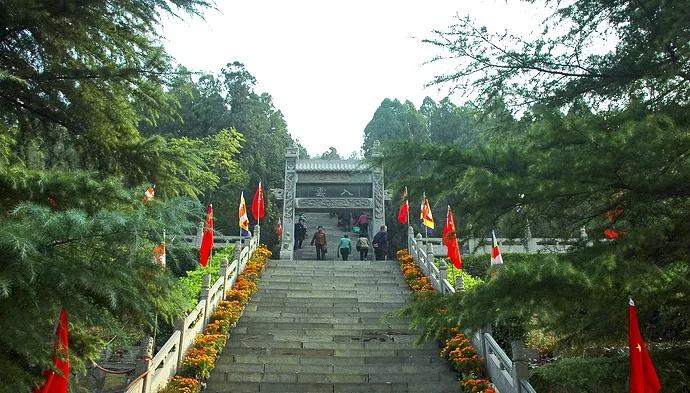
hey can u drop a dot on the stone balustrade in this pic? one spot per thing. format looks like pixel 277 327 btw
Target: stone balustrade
pixel 155 371
pixel 509 375
pixel 533 245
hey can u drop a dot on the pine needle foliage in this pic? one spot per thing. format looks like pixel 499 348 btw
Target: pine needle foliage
pixel 73 69
pixel 603 143
pixel 94 260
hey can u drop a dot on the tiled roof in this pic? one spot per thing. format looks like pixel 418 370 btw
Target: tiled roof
pixel 331 166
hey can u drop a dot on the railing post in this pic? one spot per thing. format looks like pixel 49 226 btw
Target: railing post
pixel 417 247
pixel 443 274
pixel 238 250
pixel 257 232
pixel 429 258
pixel 520 370
pixel 528 238
pixel 144 363
pixel 224 274
pixel 410 238
pixel 459 284
pixel 484 350
pixel 204 296
pixel 182 327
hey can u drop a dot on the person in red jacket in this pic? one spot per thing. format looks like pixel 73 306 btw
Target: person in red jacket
pixel 319 240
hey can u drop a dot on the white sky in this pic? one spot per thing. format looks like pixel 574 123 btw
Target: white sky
pixel 328 65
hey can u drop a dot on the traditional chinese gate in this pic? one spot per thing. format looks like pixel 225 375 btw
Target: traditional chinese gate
pixel 327 186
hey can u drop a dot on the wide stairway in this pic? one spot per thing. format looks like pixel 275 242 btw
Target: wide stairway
pixel 323 326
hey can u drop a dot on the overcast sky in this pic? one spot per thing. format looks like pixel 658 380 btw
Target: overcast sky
pixel 328 65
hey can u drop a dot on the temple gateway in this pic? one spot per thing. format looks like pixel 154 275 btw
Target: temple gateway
pixel 333 186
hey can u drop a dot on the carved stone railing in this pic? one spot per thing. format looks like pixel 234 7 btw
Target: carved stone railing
pixel 219 241
pixel 508 245
pixel 509 375
pixel 154 372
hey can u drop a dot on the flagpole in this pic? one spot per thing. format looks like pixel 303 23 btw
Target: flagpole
pixel 155 320
pixel 210 255
pixel 424 203
pixel 407 200
pixel 258 206
pixel 155 329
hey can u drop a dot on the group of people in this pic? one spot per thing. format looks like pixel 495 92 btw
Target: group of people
pixel 379 243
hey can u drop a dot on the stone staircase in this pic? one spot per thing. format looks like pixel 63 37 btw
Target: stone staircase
pixel 322 326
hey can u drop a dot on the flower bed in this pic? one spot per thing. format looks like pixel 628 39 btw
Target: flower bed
pixel 413 274
pixel 457 348
pixel 201 358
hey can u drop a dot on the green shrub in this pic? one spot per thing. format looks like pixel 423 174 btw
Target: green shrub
pixel 582 375
pixel 479 265
pixel 191 283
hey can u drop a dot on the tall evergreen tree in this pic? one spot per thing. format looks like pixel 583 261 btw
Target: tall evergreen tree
pixel 603 145
pixel 77 78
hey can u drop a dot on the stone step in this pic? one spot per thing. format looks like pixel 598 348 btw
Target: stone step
pixel 328 368
pixel 307 285
pixel 396 287
pixel 314 319
pixel 335 301
pixel 372 387
pixel 325 352
pixel 256 326
pixel 401 297
pixel 342 279
pixel 347 343
pixel 352 265
pixel 326 271
pixel 333 263
pixel 258 360
pixel 355 267
pixel 297 291
pixel 274 283
pixel 331 331
pixel 287 307
pixel 348 374
pixel 325 313
pixel 329 275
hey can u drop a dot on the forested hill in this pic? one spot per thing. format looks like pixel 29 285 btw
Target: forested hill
pixel 92 111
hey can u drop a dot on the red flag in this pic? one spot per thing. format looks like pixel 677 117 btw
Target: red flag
pixel 404 210
pixel 258 206
pixel 57 383
pixel 149 193
pixel 279 228
pixel 612 234
pixel 206 238
pixel 451 240
pixel 496 257
pixel 643 378
pixel 612 216
pixel 159 254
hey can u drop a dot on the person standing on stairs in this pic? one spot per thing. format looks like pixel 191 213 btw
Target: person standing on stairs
pixel 363 223
pixel 344 247
pixel 380 243
pixel 363 246
pixel 319 240
pixel 300 233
